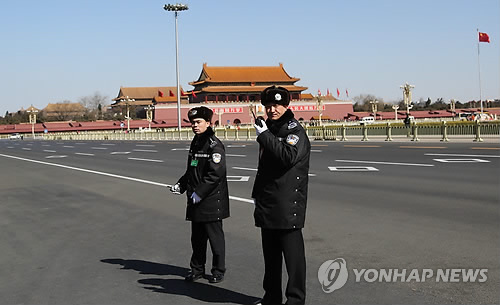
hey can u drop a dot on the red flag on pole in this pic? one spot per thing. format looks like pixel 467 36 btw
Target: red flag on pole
pixel 319 92
pixel 170 93
pixel 483 37
pixel 338 92
pixel 327 92
pixel 347 92
pixel 160 94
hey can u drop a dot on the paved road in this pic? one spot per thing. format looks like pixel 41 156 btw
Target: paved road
pixel 94 222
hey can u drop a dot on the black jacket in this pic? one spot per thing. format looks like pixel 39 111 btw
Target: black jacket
pixel 206 175
pixel 280 188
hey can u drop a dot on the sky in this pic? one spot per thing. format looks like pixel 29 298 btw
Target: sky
pixel 59 50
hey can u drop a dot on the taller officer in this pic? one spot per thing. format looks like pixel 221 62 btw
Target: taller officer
pixel 280 193
pixel 205 181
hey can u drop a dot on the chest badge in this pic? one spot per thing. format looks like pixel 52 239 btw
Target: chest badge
pixel 292 139
pixel 216 158
pixel 194 163
pixel 292 125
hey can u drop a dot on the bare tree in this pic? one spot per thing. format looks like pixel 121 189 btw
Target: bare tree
pixel 93 104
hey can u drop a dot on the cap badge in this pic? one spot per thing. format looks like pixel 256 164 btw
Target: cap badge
pixel 277 97
pixel 194 112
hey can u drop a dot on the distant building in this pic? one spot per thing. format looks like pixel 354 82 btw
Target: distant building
pixel 63 111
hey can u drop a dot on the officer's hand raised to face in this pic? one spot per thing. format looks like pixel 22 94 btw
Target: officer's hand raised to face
pixel 260 128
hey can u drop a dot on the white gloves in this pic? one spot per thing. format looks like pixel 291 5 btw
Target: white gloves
pixel 176 189
pixel 195 198
pixel 259 129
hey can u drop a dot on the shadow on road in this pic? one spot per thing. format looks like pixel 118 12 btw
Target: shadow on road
pixel 197 290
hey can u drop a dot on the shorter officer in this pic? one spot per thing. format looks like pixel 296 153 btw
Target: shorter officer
pixel 205 181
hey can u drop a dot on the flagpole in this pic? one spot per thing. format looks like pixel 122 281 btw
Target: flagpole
pixel 479 70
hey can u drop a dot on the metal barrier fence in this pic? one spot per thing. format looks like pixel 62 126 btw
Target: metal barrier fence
pixel 336 132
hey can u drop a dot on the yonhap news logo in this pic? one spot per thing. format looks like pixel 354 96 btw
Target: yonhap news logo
pixel 333 275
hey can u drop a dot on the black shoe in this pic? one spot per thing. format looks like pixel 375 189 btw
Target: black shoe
pixel 215 278
pixel 191 277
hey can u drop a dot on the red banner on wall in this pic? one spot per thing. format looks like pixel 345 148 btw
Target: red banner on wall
pixel 228 110
pixel 305 108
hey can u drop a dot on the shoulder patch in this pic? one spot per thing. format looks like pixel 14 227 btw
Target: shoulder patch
pixel 216 157
pixel 292 139
pixel 292 124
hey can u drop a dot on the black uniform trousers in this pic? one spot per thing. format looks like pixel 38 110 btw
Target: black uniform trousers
pixel 289 244
pixel 201 232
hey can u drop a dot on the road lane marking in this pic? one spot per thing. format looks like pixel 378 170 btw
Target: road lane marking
pixel 245 168
pixel 316 150
pixel 68 146
pixel 427 147
pixel 460 155
pixel 84 154
pixel 461 160
pixel 56 157
pixel 145 150
pixel 386 163
pixel 25 148
pixel 352 169
pixel 236 146
pixel 145 145
pixel 99 147
pixel 120 153
pixel 231 155
pixel 238 178
pixel 493 148
pixel 48 150
pixel 110 175
pixel 148 160
pixel 180 149
pixel 108 144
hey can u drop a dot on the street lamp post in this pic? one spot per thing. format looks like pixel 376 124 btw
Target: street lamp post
pixel 127 102
pixel 176 8
pixel 319 104
pixel 407 96
pixel 374 108
pixel 395 107
pixel 32 113
pixel 149 115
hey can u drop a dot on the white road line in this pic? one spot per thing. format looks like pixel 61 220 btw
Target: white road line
pixel 99 147
pixel 316 150
pixel 84 154
pixel 180 149
pixel 239 146
pixel 459 155
pixel 45 145
pixel 69 146
pixel 145 150
pixel 111 175
pixel 231 155
pixel 80 143
pixel 238 178
pixel 145 145
pixel 120 153
pixel 386 163
pixel 25 148
pixel 50 151
pixel 56 157
pixel 245 168
pixel 108 144
pixel 149 160
pixel 352 169
pixel 461 160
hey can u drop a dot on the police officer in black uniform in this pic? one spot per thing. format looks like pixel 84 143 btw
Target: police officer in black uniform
pixel 205 182
pixel 280 193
